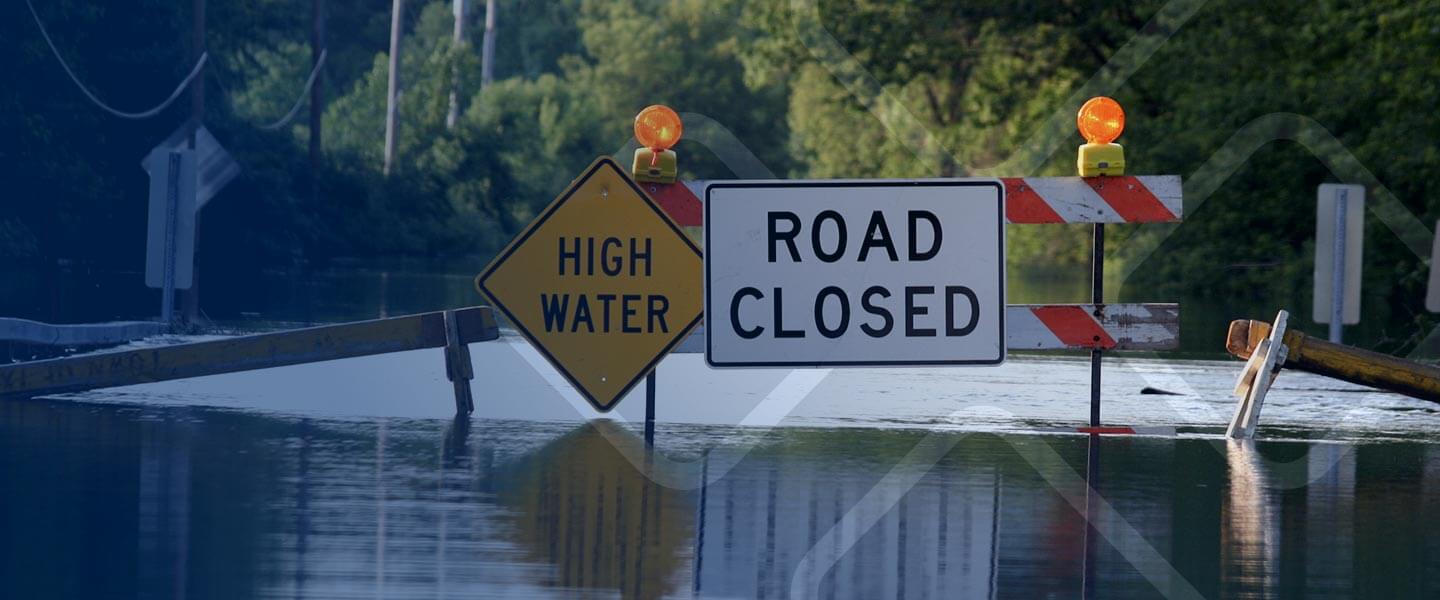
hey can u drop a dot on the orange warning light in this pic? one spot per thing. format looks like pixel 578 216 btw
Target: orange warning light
pixel 658 128
pixel 1100 120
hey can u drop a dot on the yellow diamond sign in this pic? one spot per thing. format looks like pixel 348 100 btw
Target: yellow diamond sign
pixel 603 283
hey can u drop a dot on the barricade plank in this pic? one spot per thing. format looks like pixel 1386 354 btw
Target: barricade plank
pixel 244 353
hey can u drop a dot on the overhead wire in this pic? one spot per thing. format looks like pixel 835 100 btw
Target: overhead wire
pixel 309 83
pixel 144 114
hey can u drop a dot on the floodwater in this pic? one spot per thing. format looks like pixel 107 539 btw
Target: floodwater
pixel 350 480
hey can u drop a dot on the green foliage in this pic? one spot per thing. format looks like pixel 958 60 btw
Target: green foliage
pixel 938 88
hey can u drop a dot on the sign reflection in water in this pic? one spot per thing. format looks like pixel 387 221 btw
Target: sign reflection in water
pixel 141 502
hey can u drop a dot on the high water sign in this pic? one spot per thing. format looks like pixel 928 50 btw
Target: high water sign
pixel 603 283
pixel 855 273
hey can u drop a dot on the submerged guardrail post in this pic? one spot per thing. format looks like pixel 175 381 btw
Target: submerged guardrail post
pixel 458 368
pixel 650 409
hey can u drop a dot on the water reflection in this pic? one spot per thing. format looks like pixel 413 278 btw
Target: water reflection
pixel 163 509
pixel 579 505
pixel 132 502
pixel 1250 526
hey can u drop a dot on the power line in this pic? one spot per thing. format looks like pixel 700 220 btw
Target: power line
pixel 199 63
pixel 315 72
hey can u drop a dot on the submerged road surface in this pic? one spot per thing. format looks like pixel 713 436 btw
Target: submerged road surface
pixel 1026 394
pixel 351 479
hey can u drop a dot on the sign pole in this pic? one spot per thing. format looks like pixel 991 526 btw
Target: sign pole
pixel 650 409
pixel 1097 297
pixel 172 209
pixel 1337 278
pixel 191 301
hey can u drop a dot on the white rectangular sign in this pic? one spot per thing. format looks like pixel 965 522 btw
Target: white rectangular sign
pixel 1325 247
pixel 1432 291
pixel 855 273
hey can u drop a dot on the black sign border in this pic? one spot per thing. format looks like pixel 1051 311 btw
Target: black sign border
pixel 535 226
pixel 839 183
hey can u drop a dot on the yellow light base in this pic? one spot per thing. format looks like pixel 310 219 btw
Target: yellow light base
pixel 663 171
pixel 1101 159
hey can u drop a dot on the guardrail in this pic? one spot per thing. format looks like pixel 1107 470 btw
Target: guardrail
pixel 83 334
pixel 451 330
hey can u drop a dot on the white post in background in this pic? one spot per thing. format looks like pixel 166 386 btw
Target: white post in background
pixel 450 117
pixel 392 87
pixel 487 46
pixel 1337 277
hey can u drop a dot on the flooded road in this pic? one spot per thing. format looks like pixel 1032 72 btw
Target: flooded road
pixel 914 484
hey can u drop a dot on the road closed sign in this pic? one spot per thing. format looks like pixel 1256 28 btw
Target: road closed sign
pixel 855 273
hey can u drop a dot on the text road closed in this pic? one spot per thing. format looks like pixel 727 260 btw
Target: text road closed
pixel 837 273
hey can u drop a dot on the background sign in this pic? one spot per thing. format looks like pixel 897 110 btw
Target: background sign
pixel 603 283
pixel 1432 290
pixel 214 167
pixel 859 273
pixel 1326 230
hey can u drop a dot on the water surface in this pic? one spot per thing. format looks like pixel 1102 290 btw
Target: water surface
pixel 121 500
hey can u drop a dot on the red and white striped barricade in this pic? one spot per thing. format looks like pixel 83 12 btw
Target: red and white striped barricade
pixel 1039 200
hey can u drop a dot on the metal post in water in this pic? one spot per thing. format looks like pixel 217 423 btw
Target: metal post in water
pixel 1097 297
pixel 1337 279
pixel 650 409
pixel 172 214
pixel 458 368
pixel 1092 515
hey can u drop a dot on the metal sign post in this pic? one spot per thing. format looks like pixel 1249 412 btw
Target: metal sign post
pixel 1097 297
pixel 172 207
pixel 1337 279
pixel 170 243
pixel 205 167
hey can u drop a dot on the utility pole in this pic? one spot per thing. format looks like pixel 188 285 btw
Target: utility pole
pixel 197 48
pixel 317 93
pixel 487 46
pixel 391 109
pixel 460 12
pixel 190 302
